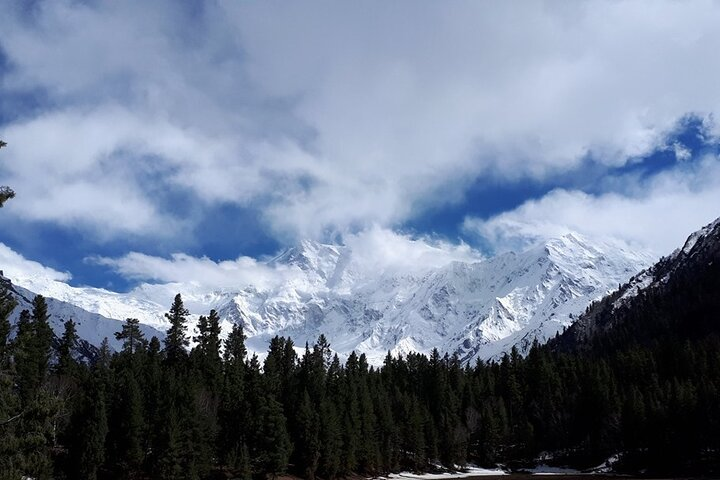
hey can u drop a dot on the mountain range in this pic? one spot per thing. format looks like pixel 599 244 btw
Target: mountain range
pixel 476 309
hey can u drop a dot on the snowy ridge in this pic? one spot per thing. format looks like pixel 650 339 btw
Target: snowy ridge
pixel 91 327
pixel 477 309
pixel 660 272
pixel 695 237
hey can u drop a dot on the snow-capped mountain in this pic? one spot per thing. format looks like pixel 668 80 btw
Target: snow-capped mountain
pixel 92 327
pixel 477 309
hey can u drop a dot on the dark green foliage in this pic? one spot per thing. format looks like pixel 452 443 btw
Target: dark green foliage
pixel 66 364
pixel 7 305
pixel 233 413
pixel 176 340
pixel 132 337
pixel 86 442
pixel 206 355
pixel 31 349
pixel 307 440
pixel 30 406
pixel 127 422
pixel 271 447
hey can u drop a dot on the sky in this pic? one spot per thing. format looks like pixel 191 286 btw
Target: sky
pixel 153 141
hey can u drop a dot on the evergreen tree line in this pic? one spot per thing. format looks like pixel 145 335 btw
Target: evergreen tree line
pixel 162 410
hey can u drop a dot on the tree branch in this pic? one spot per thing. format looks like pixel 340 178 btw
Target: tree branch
pixel 12 419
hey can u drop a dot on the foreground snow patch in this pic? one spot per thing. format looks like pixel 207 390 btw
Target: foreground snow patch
pixel 548 470
pixel 470 472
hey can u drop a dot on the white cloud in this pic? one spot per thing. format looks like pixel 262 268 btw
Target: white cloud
pixel 203 272
pixel 658 213
pixel 330 116
pixel 16 267
pixel 381 250
pixel 373 251
pixel 682 153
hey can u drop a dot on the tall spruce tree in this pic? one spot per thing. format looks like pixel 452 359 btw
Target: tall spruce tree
pixel 233 412
pixel 127 422
pixel 10 407
pixel 43 334
pixel 272 441
pixel 31 349
pixel 206 354
pixel 66 363
pixel 35 431
pixel 89 426
pixel 307 441
pixel 176 340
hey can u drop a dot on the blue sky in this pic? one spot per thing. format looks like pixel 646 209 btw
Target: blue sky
pixel 223 130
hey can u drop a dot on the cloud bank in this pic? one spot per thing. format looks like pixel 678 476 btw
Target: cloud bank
pixel 373 252
pixel 328 117
pixel 657 213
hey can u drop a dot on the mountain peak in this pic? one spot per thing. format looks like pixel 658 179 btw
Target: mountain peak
pixel 318 260
pixel 712 230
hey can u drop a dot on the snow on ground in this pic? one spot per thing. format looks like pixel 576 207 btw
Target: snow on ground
pixel 469 472
pixel 607 466
pixel 543 469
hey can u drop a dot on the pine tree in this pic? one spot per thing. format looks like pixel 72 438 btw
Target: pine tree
pixel 351 421
pixel 132 337
pixel 66 364
pixel 167 462
pixel 272 442
pixel 176 340
pixel 10 409
pixel 152 375
pixel 43 335
pixel 7 305
pixel 307 443
pixel 31 349
pixel 37 412
pixel 233 413
pixel 104 356
pixel 330 440
pixel 206 355
pixel 89 426
pixel 417 419
pixel 182 450
pixel 127 422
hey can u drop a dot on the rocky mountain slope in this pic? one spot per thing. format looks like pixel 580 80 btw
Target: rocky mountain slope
pixel 678 294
